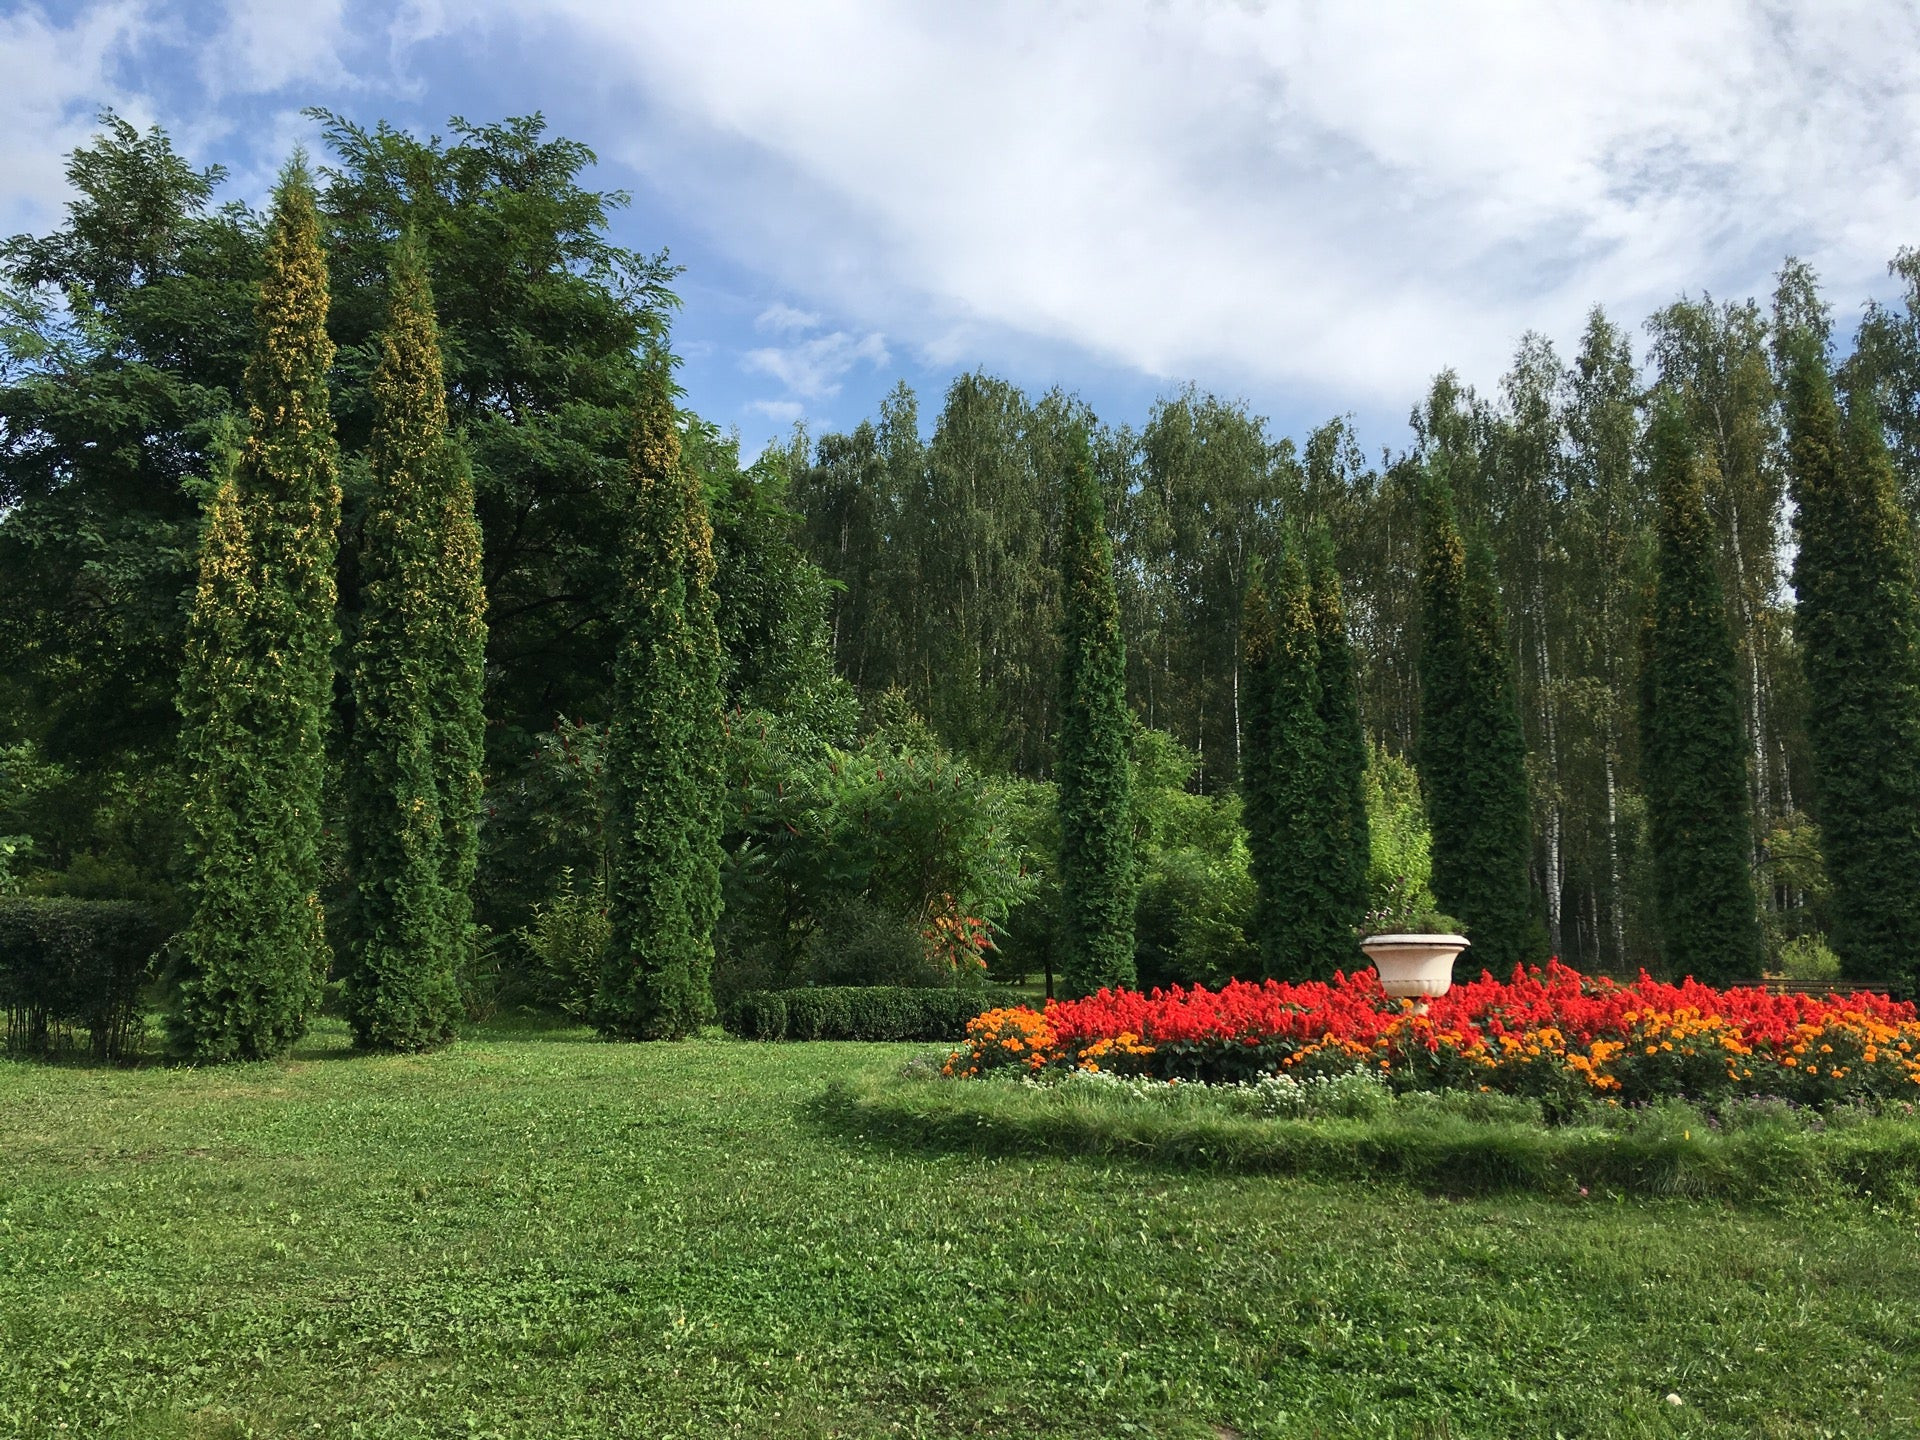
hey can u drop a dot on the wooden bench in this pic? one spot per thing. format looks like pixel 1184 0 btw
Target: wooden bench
pixel 1776 986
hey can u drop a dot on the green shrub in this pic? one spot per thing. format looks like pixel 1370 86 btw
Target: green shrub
pixel 892 828
pixel 567 939
pixel 1807 957
pixel 74 964
pixel 860 1012
pixel 861 944
pixel 1190 926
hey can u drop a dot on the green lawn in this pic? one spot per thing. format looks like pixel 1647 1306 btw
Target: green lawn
pixel 542 1235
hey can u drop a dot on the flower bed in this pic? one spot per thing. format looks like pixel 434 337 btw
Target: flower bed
pixel 1551 1033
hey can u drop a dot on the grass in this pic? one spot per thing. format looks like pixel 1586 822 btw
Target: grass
pixel 539 1235
pixel 1419 1139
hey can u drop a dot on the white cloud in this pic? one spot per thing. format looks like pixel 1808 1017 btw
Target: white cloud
pixel 786 320
pixel 61 63
pixel 53 81
pixel 1321 194
pixel 813 368
pixel 1320 198
pixel 268 45
pixel 783 412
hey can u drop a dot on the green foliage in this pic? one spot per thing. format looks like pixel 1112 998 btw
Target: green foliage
pixel 1194 498
pixel 122 348
pixel 82 963
pixel 1300 934
pixel 1399 844
pixel 862 944
pixel 1794 871
pixel 567 938
pixel 413 765
pixel 1303 771
pixel 1808 957
pixel 1398 853
pixel 664 753
pixel 833 853
pixel 1858 628
pixel 771 601
pixel 860 1012
pixel 1472 754
pixel 1097 880
pixel 1345 751
pixel 1887 357
pixel 544 816
pixel 1259 802
pixel 1693 754
pixel 1194 915
pixel 258 681
pixel 545 325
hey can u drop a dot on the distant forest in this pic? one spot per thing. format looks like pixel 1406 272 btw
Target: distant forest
pixel 912 560
pixel 942 548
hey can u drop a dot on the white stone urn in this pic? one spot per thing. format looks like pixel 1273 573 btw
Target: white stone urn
pixel 1414 967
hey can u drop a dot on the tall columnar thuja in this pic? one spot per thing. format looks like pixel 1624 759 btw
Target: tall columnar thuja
pixel 1304 764
pixel 1472 753
pixel 413 771
pixel 1692 743
pixel 1257 754
pixel 663 761
pixel 1097 881
pixel 1296 940
pixel 1858 629
pixel 258 676
pixel 1348 844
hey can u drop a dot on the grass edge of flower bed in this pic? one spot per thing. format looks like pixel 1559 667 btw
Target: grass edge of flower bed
pixel 1877 1157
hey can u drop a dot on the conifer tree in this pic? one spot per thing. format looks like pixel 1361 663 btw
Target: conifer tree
pixel 663 761
pixel 413 766
pixel 1346 758
pixel 1858 629
pixel 258 679
pixel 1257 753
pixel 1097 880
pixel 1472 753
pixel 1692 744
pixel 1298 940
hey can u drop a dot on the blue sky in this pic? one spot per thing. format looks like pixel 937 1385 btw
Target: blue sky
pixel 1312 207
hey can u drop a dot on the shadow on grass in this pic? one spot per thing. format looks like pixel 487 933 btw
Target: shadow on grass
pixel 1876 1158
pixel 526 1024
pixel 329 1038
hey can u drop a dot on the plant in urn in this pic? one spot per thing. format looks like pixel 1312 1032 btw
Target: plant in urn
pixel 1412 946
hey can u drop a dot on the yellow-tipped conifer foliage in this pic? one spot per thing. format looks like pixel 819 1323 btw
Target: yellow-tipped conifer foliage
pixel 413 773
pixel 258 678
pixel 663 762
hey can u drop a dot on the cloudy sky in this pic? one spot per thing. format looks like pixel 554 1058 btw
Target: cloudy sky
pixel 1313 206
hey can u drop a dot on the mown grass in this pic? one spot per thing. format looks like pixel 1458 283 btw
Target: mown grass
pixel 541 1235
pixel 1674 1151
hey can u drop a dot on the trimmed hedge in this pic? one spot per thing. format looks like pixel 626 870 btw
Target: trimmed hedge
pixel 67 964
pixel 861 1012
